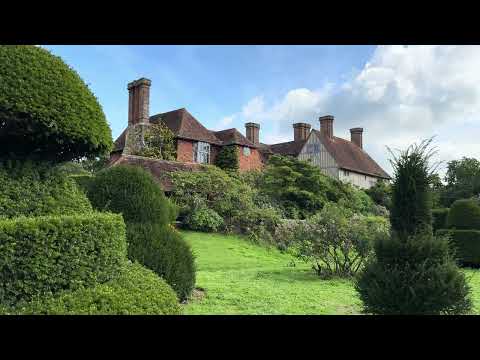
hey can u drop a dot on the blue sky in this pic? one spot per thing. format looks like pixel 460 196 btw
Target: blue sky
pixel 399 94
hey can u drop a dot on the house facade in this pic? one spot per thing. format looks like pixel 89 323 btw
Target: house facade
pixel 197 146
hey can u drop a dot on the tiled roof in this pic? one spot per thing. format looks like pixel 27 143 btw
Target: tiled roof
pixel 185 126
pixel 291 148
pixel 160 169
pixel 233 136
pixel 351 157
pixel 119 144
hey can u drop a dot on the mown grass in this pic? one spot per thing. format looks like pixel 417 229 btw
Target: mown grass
pixel 242 278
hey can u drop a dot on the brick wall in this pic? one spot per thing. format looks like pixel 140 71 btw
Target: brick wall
pixel 251 162
pixel 184 150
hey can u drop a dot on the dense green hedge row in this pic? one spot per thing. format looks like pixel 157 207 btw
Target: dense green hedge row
pixel 467 245
pixel 44 255
pixel 38 189
pixel 134 291
pixel 439 218
pixel 464 215
pixel 46 110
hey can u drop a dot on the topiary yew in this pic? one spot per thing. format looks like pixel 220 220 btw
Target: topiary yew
pixel 464 215
pixel 46 110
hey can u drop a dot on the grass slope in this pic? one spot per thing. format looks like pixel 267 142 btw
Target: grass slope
pixel 242 278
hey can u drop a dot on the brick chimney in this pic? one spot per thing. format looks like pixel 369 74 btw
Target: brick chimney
pixel 301 131
pixel 139 101
pixel 356 136
pixel 326 126
pixel 252 130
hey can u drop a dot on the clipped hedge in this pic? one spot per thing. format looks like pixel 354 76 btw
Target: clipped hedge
pixel 38 189
pixel 163 250
pixel 440 218
pixel 44 255
pixel 467 245
pixel 132 191
pixel 464 215
pixel 135 291
pixel 46 110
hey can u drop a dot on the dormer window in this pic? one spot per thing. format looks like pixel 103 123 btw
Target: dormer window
pixel 201 152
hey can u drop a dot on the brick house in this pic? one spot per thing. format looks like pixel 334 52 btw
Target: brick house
pixel 197 146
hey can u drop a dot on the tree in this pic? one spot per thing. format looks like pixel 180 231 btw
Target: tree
pixel 381 193
pixel 47 112
pixel 413 272
pixel 463 180
pixel 227 158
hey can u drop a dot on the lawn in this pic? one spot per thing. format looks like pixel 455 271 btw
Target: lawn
pixel 242 278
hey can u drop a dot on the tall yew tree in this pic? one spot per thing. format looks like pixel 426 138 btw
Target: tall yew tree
pixel 413 272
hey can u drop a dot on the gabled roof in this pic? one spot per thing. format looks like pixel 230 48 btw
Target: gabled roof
pixel 351 157
pixel 185 126
pixel 233 136
pixel 291 148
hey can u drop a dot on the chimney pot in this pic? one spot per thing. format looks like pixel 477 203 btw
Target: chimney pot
pixel 326 125
pixel 356 136
pixel 252 130
pixel 301 131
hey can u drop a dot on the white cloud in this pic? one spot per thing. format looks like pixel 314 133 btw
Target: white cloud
pixel 402 95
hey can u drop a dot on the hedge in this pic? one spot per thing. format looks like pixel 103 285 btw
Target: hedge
pixel 467 245
pixel 38 189
pixel 163 250
pixel 464 215
pixel 46 109
pixel 44 255
pixel 440 218
pixel 135 291
pixel 132 191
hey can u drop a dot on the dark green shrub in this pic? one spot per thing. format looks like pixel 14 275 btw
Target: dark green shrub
pixel 46 110
pixel 204 219
pixel 414 276
pixel 135 291
pixel 47 254
pixel 83 181
pixel 467 245
pixel 464 215
pixel 412 271
pixel 38 189
pixel 162 249
pixel 227 158
pixel 131 191
pixel 439 218
pixel 381 193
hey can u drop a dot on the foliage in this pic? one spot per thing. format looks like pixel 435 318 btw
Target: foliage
pixel 44 255
pixel 134 291
pixel 380 193
pixel 336 241
pixel 413 272
pixel 358 201
pixel 159 143
pixel 227 158
pixel 46 110
pixel 463 180
pixel 162 249
pixel 467 245
pixel 413 276
pixel 411 196
pixel 38 189
pixel 132 191
pixel 439 218
pixel 300 188
pixel 204 219
pixel 464 215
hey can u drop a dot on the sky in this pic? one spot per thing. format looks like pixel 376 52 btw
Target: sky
pixel 398 94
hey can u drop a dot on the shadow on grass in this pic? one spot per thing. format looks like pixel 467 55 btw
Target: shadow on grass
pixel 294 275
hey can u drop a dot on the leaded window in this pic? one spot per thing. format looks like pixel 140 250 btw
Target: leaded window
pixel 201 152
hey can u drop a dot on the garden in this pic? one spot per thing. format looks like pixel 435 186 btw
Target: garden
pixel 78 237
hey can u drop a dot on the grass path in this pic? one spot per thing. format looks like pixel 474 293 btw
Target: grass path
pixel 242 278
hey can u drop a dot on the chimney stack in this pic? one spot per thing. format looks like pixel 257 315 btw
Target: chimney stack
pixel 356 136
pixel 326 126
pixel 252 131
pixel 138 101
pixel 301 131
